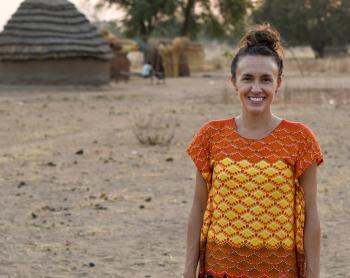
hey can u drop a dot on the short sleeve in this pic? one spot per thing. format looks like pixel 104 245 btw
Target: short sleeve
pixel 199 151
pixel 309 152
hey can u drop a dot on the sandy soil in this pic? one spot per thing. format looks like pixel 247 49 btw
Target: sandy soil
pixel 81 197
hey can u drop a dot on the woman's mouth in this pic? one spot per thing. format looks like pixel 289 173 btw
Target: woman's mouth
pixel 256 99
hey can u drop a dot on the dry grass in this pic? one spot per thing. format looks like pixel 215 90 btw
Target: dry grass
pixel 310 66
pixel 298 61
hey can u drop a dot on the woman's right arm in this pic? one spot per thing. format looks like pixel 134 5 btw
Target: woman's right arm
pixel 194 226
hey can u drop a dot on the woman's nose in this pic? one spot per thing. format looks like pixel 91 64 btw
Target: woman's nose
pixel 256 87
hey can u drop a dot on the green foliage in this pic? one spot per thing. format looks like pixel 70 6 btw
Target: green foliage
pixel 233 13
pixel 219 18
pixel 318 23
pixel 142 17
pixel 191 18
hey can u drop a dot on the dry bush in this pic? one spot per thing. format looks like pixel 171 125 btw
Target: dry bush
pixel 154 128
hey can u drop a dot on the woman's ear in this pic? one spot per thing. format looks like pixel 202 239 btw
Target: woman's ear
pixel 234 82
pixel 279 82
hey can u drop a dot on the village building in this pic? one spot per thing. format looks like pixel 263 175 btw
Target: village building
pixel 51 42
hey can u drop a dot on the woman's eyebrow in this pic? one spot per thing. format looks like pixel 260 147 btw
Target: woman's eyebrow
pixel 266 75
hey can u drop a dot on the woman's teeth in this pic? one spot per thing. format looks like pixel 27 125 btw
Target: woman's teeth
pixel 256 98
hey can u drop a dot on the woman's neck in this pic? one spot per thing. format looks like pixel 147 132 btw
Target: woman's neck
pixel 257 121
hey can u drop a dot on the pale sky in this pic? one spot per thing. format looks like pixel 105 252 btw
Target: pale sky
pixel 8 7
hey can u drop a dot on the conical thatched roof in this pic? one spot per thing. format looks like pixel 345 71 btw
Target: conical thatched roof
pixel 51 29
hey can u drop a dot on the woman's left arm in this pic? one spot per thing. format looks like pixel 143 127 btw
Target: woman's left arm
pixel 312 229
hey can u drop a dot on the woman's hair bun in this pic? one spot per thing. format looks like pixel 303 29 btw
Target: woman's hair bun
pixel 262 35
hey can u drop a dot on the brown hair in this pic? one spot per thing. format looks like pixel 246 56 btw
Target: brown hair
pixel 260 40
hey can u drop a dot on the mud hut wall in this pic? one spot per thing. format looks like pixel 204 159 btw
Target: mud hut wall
pixel 55 72
pixel 120 65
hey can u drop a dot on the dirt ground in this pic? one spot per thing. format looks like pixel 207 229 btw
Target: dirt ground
pixel 81 197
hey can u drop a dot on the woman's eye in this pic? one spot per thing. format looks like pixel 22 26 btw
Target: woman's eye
pixel 266 80
pixel 246 79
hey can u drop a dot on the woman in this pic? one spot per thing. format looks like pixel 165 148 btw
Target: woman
pixel 254 212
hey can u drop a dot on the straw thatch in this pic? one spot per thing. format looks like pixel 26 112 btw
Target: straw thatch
pixel 51 29
pixel 182 56
pixel 196 57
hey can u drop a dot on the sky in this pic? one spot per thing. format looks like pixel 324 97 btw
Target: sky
pixel 8 7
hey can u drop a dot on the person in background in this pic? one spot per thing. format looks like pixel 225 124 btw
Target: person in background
pixel 147 70
pixel 159 72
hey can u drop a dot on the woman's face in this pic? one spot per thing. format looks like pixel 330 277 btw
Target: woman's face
pixel 256 81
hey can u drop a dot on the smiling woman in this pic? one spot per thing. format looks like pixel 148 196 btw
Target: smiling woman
pixel 254 211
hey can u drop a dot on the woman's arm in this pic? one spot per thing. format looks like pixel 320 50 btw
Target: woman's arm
pixel 194 226
pixel 312 229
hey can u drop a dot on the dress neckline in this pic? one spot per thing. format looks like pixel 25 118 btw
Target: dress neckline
pixel 234 125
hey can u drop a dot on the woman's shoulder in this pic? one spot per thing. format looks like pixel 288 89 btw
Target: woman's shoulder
pixel 216 124
pixel 212 127
pixel 298 128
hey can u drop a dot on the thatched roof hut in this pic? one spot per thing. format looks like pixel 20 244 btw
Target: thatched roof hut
pixel 51 42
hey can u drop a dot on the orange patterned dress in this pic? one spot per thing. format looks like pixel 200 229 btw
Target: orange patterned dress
pixel 254 220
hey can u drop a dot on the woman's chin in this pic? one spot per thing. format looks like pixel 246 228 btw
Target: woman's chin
pixel 255 109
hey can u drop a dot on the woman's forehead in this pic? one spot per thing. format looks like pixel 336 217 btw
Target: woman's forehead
pixel 257 64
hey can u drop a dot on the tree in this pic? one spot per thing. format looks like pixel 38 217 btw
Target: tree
pixel 189 26
pixel 142 17
pixel 214 18
pixel 318 23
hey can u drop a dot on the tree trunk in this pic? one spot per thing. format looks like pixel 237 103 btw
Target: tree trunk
pixel 188 13
pixel 143 31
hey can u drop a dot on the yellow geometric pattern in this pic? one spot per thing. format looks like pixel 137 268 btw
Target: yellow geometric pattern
pixel 252 204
